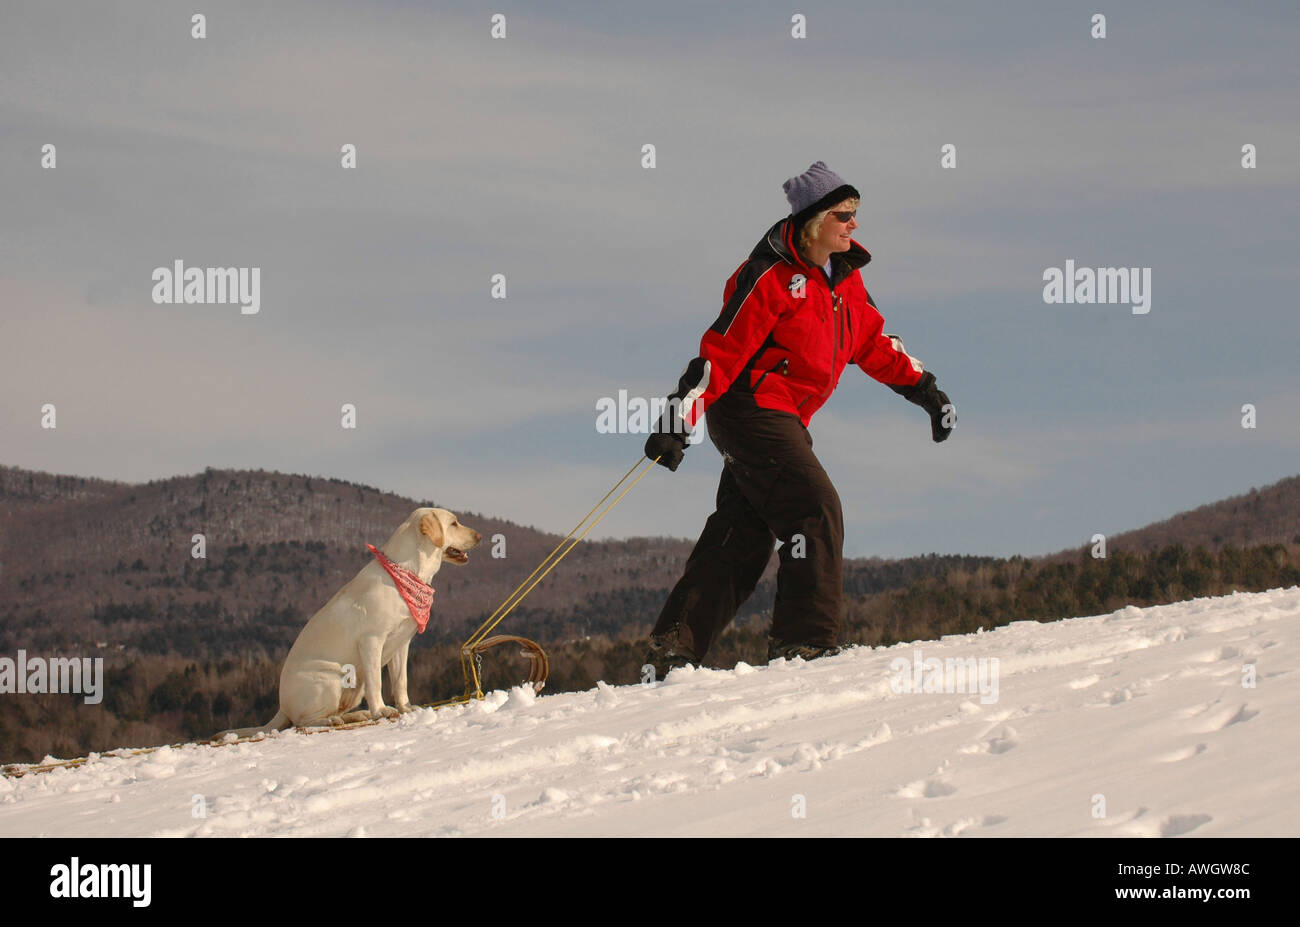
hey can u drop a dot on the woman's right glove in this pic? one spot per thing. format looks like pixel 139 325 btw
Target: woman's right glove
pixel 926 394
pixel 666 449
pixel 667 445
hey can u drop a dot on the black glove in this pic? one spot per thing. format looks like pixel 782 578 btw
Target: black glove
pixel 934 401
pixel 667 445
pixel 666 449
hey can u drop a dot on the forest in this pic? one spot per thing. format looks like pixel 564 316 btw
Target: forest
pixel 190 673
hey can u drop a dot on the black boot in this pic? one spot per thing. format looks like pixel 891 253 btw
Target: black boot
pixel 665 655
pixel 780 649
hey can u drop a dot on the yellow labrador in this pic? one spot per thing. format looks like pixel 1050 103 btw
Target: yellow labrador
pixel 339 655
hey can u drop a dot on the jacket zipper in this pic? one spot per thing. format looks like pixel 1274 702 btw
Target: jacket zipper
pixel 836 344
pixel 839 325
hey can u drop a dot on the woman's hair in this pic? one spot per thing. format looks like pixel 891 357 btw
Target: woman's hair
pixel 813 227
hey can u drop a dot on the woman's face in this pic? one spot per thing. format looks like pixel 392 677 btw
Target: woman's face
pixel 836 234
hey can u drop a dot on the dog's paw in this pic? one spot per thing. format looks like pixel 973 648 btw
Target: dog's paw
pixel 385 711
pixel 404 707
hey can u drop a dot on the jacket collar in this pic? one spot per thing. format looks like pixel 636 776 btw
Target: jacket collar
pixel 779 243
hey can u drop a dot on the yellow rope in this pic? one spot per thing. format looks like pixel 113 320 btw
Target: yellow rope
pixel 469 665
pixel 491 621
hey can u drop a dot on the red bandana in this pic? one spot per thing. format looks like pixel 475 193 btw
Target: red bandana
pixel 417 595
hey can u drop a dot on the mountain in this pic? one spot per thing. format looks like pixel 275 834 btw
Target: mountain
pixel 91 562
pixel 1261 516
pixel 108 566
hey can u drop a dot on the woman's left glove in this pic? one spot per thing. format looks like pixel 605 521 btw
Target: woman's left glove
pixel 926 394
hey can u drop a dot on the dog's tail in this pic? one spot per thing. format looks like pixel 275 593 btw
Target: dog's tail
pixel 278 723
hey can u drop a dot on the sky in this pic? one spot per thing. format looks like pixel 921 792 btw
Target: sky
pixel 523 156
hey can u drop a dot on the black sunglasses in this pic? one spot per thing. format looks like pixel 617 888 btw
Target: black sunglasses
pixel 844 216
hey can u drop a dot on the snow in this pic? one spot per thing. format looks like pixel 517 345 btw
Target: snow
pixel 1144 722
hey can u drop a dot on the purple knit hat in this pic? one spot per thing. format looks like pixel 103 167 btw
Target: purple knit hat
pixel 814 190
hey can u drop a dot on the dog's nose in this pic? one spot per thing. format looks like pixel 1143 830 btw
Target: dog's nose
pixel 477 537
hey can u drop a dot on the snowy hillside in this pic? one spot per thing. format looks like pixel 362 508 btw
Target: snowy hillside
pixel 1180 719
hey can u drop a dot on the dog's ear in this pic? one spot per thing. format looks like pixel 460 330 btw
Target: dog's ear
pixel 431 528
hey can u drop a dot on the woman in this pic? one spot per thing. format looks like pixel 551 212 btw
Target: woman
pixel 794 314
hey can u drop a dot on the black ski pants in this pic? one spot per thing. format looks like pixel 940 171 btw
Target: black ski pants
pixel 772 487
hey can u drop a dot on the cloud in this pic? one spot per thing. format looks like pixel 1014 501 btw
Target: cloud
pixel 522 157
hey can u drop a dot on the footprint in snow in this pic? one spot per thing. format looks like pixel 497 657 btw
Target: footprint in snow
pixel 1113 697
pixel 1215 655
pixel 1220 718
pixel 924 828
pixel 1001 742
pixel 1172 825
pixel 1183 753
pixel 999 745
pixel 1127 817
pixel 925 788
pixel 1197 710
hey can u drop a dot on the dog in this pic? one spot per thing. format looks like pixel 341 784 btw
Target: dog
pixel 339 655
